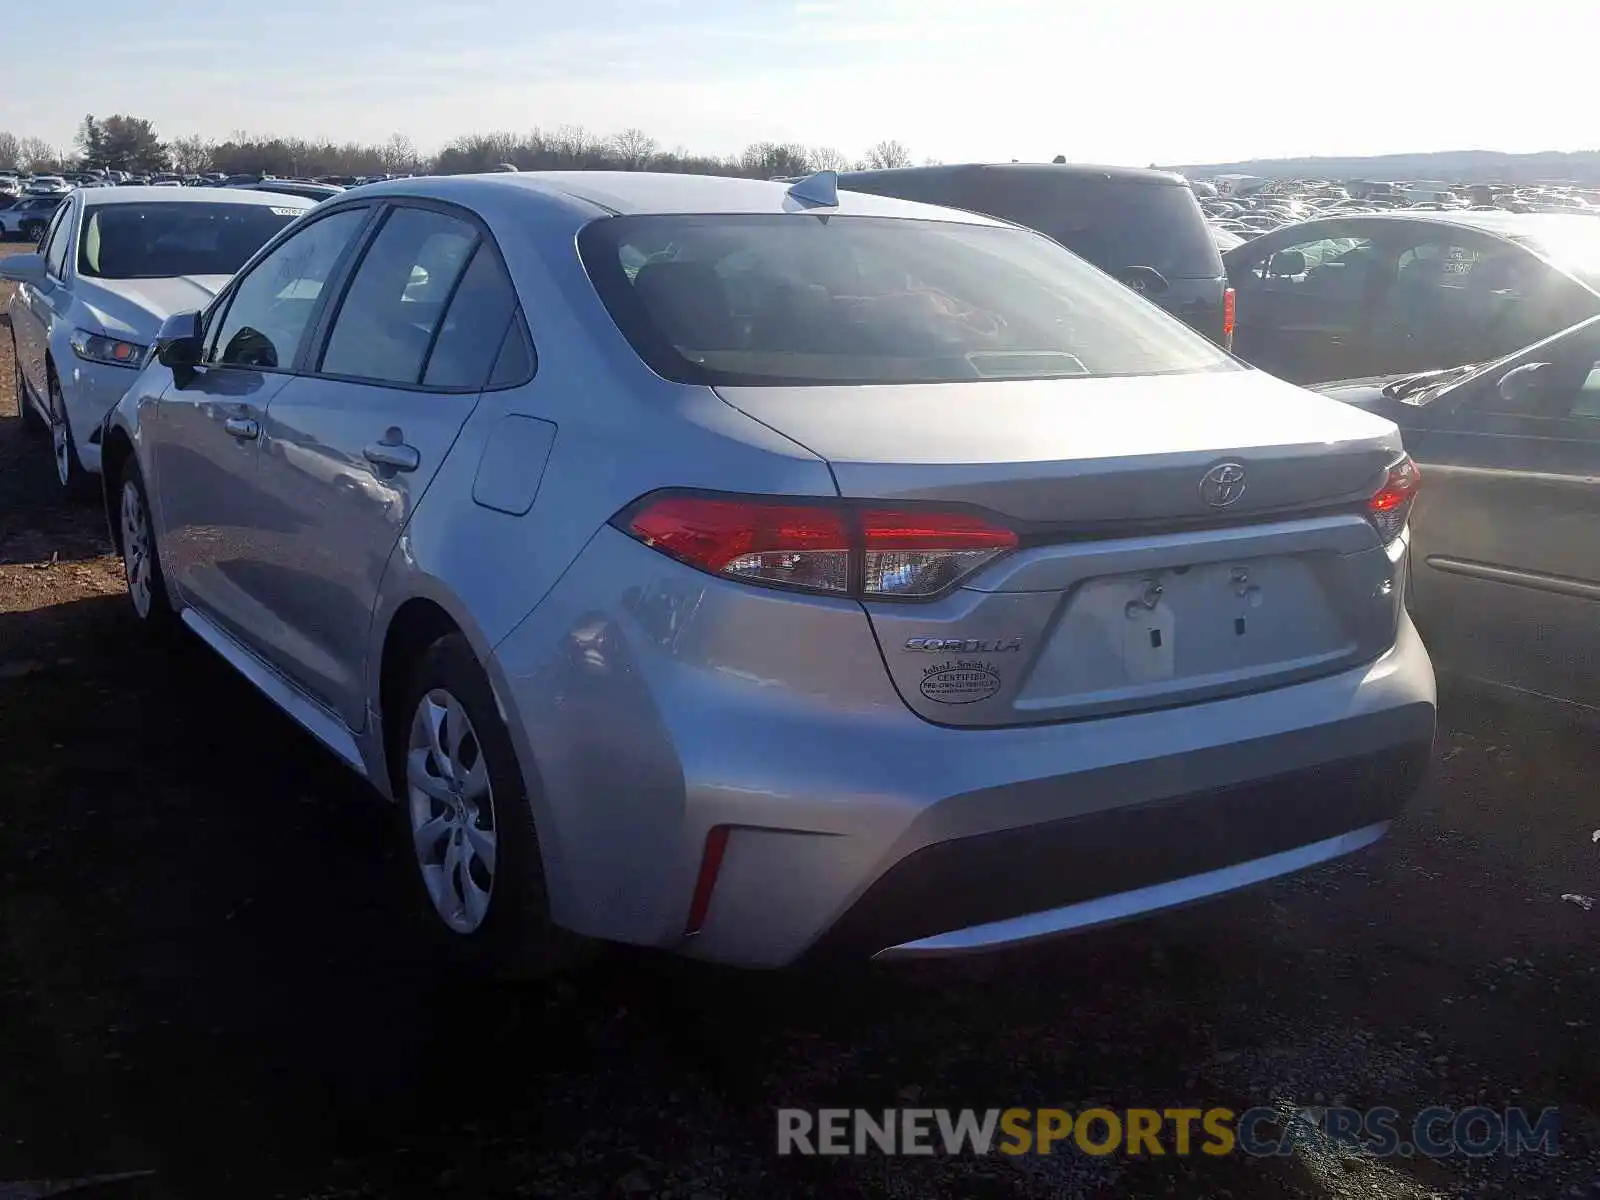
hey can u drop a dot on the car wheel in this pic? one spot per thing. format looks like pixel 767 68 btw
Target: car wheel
pixel 467 817
pixel 32 422
pixel 141 564
pixel 74 480
pixel 32 231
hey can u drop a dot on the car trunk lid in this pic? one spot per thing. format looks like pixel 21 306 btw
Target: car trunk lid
pixel 1182 537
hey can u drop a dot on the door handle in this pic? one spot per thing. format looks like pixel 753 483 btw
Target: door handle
pixel 395 455
pixel 243 428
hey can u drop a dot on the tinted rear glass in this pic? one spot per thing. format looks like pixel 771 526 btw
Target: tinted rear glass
pixel 160 240
pixel 1114 225
pixel 797 299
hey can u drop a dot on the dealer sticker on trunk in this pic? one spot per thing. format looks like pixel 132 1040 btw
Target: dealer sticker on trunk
pixel 961 681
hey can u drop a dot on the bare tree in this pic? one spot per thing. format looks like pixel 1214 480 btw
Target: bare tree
pixel 767 160
pixel 10 150
pixel 575 147
pixel 36 154
pixel 826 158
pixel 190 155
pixel 634 149
pixel 888 154
pixel 399 155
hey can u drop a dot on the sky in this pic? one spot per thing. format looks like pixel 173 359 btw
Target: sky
pixel 1118 81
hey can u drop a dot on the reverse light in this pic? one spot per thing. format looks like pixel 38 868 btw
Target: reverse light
pixel 96 348
pixel 1390 506
pixel 910 553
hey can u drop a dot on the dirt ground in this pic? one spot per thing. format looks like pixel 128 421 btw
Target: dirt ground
pixel 203 980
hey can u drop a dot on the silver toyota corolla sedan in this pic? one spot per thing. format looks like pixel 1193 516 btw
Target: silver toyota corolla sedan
pixel 761 571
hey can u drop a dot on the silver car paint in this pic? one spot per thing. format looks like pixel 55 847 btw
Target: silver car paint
pixel 648 701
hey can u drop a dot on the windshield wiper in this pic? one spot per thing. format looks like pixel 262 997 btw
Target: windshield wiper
pixel 1410 390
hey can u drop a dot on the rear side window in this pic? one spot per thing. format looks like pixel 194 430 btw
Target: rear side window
pixel 397 298
pixel 1113 224
pixel 793 299
pixel 474 327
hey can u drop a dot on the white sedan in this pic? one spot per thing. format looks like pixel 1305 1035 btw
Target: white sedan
pixel 113 264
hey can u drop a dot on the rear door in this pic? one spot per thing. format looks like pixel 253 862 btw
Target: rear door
pixel 350 448
pixel 1506 549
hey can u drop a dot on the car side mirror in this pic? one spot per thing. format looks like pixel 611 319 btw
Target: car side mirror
pixel 23 268
pixel 1287 262
pixel 1147 281
pixel 178 343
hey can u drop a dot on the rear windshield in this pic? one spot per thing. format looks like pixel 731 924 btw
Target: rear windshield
pixel 161 240
pixel 1114 225
pixel 797 299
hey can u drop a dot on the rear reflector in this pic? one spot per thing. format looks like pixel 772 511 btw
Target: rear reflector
pixel 908 553
pixel 1230 309
pixel 706 882
pixel 1390 505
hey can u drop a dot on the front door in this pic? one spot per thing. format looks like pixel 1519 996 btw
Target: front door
pixel 350 448
pixel 213 514
pixel 1505 556
pixel 1303 307
pixel 41 301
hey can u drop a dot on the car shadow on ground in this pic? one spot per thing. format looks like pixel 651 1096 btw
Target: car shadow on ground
pixel 208 973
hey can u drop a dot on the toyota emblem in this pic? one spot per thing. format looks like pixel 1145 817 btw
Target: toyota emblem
pixel 1222 485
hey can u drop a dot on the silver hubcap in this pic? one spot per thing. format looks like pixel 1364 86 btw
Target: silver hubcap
pixel 136 548
pixel 58 440
pixel 453 828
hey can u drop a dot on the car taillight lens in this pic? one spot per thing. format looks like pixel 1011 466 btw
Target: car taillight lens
pixel 1230 310
pixel 878 552
pixel 1390 505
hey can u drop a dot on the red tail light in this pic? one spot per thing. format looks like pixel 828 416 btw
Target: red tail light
pixel 706 881
pixel 1390 505
pixel 907 553
pixel 1230 309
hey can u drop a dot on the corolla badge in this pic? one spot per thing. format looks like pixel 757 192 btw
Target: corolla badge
pixel 1222 485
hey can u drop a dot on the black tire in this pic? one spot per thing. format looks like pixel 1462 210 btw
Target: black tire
pixel 156 616
pixel 74 481
pixel 32 422
pixel 33 231
pixel 516 938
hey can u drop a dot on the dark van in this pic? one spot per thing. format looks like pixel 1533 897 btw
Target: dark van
pixel 1144 227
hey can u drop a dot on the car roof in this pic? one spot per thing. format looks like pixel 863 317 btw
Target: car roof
pixel 599 193
pixel 1499 222
pixel 167 195
pixel 1078 171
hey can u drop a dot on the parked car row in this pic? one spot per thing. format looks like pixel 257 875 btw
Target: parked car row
pixel 1275 203
pixel 634 534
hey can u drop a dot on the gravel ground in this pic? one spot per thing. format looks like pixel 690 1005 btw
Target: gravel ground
pixel 202 977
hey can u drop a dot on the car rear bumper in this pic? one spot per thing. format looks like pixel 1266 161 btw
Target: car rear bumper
pixel 1021 884
pixel 649 718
